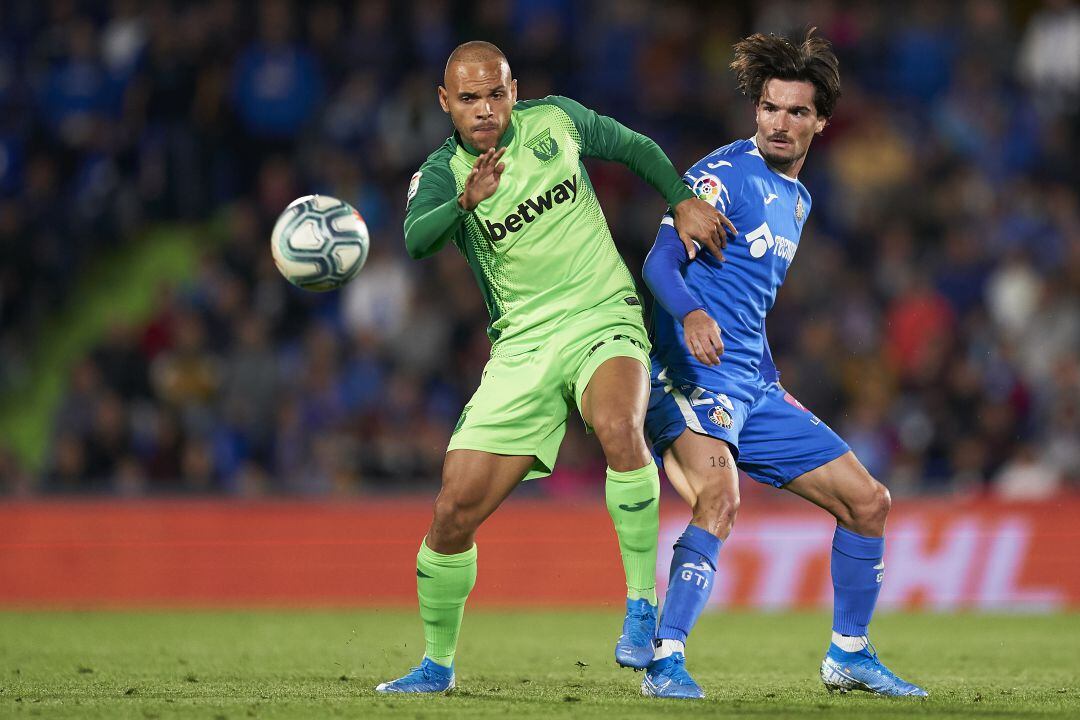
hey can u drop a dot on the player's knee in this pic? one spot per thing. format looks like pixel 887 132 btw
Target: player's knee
pixel 619 429
pixel 623 440
pixel 870 513
pixel 881 503
pixel 456 517
pixel 716 509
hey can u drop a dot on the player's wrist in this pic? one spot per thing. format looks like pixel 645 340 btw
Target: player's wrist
pixel 464 204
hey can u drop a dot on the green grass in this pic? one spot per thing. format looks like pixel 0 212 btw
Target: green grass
pixel 512 664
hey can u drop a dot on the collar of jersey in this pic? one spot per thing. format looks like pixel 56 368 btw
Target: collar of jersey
pixel 506 139
pixel 757 151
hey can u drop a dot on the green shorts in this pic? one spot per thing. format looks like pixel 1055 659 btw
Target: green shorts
pixel 524 399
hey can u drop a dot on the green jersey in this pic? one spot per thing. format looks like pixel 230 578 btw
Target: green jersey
pixel 540 247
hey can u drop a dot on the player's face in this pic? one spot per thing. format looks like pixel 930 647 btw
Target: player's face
pixel 479 97
pixel 786 123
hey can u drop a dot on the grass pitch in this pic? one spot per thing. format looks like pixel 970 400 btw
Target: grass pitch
pixel 236 665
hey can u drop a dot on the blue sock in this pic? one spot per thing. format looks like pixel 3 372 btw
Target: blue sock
pixel 690 581
pixel 857 572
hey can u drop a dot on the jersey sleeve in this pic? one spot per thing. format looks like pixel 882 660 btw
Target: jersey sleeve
pixel 716 181
pixel 607 139
pixel 432 212
pixel 662 273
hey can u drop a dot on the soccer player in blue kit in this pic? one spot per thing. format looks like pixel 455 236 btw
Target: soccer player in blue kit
pixel 717 404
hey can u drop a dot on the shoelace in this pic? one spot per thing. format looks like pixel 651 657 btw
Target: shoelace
pixel 677 671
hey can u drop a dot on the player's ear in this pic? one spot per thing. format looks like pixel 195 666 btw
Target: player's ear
pixel 444 99
pixel 820 126
pixel 513 91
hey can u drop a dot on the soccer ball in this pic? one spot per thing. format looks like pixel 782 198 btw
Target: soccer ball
pixel 319 243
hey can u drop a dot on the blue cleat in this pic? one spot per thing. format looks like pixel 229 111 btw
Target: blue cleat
pixel 635 646
pixel 667 678
pixel 430 677
pixel 843 671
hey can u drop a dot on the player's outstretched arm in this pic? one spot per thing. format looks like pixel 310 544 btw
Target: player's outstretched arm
pixel 483 179
pixel 663 274
pixel 608 139
pixel 435 212
pixel 432 212
pixel 695 218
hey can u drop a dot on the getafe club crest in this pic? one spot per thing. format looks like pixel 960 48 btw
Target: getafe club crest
pixel 544 146
pixel 721 417
pixel 799 214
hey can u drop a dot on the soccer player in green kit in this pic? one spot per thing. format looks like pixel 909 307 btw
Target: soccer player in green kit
pixel 510 191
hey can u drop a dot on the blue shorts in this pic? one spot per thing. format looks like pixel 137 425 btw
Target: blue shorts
pixel 774 439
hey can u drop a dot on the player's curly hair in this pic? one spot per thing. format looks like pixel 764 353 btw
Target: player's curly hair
pixel 760 58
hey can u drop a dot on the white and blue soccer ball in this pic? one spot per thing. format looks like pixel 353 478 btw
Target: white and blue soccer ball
pixel 319 243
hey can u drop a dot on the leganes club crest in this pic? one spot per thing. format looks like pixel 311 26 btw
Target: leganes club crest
pixel 543 146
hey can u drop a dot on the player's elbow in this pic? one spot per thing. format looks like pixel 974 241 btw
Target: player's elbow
pixel 415 247
pixel 658 262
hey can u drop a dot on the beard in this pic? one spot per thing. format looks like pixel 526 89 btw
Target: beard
pixel 782 162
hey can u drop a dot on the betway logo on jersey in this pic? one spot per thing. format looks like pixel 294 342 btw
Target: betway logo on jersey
pixel 761 240
pixel 533 208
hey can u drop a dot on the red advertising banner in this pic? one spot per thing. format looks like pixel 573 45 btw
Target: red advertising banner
pixel 940 556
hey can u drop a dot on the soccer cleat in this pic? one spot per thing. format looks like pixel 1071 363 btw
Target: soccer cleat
pixel 668 678
pixel 843 671
pixel 635 646
pixel 430 677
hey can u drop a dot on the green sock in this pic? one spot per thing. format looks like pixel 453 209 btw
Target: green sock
pixel 443 582
pixel 633 500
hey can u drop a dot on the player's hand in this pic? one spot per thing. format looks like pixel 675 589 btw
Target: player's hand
pixel 702 336
pixel 698 221
pixel 483 179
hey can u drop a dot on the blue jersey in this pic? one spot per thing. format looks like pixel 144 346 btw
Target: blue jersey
pixel 769 210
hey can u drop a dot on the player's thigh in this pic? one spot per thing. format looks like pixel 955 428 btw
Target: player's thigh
pixel 676 407
pixel 476 482
pixel 607 366
pixel 781 440
pixel 616 392
pixel 520 409
pixel 702 467
pixel 847 490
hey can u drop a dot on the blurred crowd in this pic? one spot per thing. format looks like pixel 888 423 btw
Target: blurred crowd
pixel 932 315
